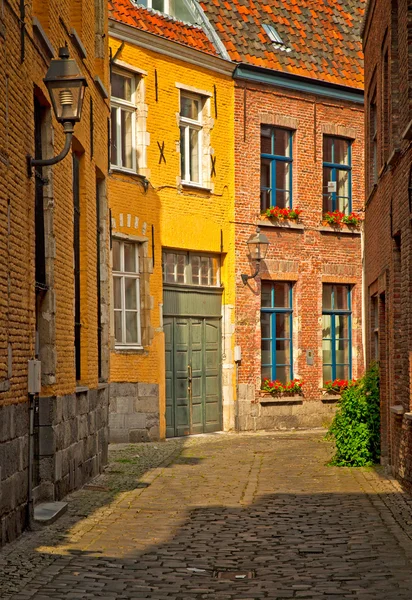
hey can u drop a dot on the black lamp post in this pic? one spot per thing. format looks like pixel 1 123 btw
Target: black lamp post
pixel 66 88
pixel 258 246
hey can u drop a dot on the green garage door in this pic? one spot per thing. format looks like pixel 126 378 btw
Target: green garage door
pixel 193 374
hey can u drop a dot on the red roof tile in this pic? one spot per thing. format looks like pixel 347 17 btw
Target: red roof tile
pixel 323 36
pixel 164 26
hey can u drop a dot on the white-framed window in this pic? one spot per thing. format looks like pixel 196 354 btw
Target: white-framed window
pixel 191 137
pixel 126 293
pixel 175 8
pixel 191 268
pixel 123 120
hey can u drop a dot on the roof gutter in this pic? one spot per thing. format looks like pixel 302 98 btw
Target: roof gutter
pixel 296 82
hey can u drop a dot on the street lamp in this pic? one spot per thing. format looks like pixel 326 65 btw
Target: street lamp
pixel 66 88
pixel 258 246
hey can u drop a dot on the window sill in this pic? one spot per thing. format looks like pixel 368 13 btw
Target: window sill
pixel 345 230
pixel 115 169
pixel 268 398
pixel 128 349
pixel 195 186
pixel 281 224
pixel 398 410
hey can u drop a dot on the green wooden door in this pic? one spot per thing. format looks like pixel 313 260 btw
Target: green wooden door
pixel 193 375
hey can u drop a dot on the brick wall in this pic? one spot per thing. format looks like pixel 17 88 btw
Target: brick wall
pixel 22 76
pixel 387 224
pixel 308 256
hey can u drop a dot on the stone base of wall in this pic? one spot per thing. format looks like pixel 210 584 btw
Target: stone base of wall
pixel 73 441
pixel 14 461
pixel 286 413
pixel 134 412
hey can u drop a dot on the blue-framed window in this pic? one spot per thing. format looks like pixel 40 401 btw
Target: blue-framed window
pixel 276 331
pixel 275 167
pixel 337 332
pixel 337 174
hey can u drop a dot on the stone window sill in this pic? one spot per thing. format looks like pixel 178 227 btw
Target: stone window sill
pixel 129 349
pixel 345 230
pixel 398 410
pixel 195 186
pixel 281 224
pixel 267 398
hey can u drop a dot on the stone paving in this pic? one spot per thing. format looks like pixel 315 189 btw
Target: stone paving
pixel 223 517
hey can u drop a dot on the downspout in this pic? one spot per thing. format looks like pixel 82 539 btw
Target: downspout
pixel 364 295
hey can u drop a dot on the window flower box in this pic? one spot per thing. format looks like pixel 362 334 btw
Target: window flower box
pixel 282 214
pixel 337 386
pixel 338 218
pixel 277 389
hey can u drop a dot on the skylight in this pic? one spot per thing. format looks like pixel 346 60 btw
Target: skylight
pixel 275 38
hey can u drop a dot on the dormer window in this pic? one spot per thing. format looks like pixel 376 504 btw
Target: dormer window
pixel 275 38
pixel 175 8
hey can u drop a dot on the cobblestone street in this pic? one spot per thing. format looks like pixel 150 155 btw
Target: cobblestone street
pixel 226 517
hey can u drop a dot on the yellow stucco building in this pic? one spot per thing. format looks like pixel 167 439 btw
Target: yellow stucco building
pixel 171 194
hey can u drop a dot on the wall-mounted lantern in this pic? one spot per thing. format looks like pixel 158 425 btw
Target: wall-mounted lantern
pixel 258 245
pixel 66 88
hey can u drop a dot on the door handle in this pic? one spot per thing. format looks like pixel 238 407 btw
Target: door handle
pixel 189 379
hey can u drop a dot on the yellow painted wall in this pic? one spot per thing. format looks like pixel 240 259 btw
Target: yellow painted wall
pixel 182 218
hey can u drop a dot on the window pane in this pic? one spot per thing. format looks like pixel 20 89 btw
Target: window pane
pixel 266 140
pixel 282 175
pixel 266 372
pixel 189 107
pixel 118 326
pixel 327 149
pixel 121 86
pixel 283 374
pixel 342 352
pixel 327 177
pixel 265 199
pixel 341 152
pixel 282 325
pixel 204 270
pixel 131 328
pixel 282 295
pixel 117 292
pixel 195 261
pixel 343 205
pixel 180 268
pixel 266 295
pixel 343 183
pixel 341 297
pixel 215 270
pixel 327 373
pixel 326 326
pixel 130 258
pixel 341 326
pixel 130 293
pixel 116 255
pixel 126 128
pixel 283 352
pixel 169 267
pixel 265 325
pixel 327 203
pixel 327 351
pixel 342 371
pixel 113 137
pixel 282 142
pixel 266 352
pixel 158 5
pixel 194 155
pixel 182 153
pixel 265 171
pixel 282 199
pixel 326 297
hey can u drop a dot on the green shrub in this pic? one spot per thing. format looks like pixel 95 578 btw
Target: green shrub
pixel 356 425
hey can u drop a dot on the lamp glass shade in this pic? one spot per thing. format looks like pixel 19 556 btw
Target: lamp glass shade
pixel 66 88
pixel 258 246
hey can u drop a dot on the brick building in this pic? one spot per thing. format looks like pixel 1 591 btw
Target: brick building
pixel 388 63
pixel 171 194
pixel 51 221
pixel 298 143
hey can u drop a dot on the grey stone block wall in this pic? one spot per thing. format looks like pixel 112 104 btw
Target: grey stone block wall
pixel 134 412
pixel 73 441
pixel 280 415
pixel 14 461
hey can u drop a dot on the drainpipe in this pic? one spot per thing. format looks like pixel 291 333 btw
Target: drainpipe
pixel 31 453
pixel 364 294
